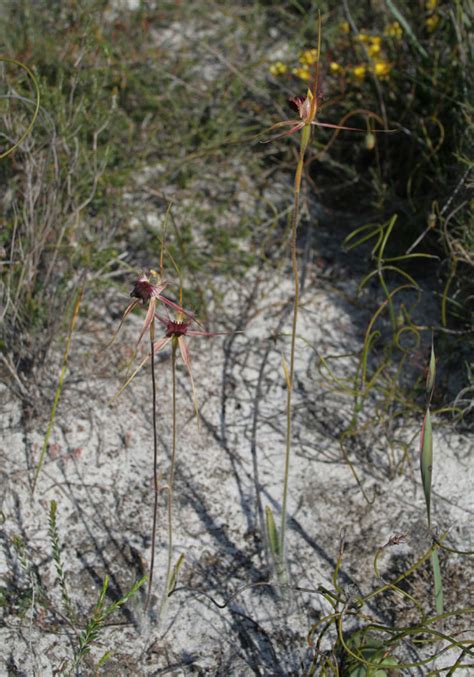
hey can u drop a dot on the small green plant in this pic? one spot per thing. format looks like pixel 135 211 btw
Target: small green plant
pixel 372 650
pixel 58 563
pixel 95 625
pixel 369 650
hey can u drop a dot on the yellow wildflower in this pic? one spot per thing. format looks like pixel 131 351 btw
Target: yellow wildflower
pixel 335 67
pixel 431 5
pixel 278 68
pixel 382 69
pixel 375 40
pixel 363 37
pixel 309 57
pixel 302 73
pixel 344 27
pixel 394 30
pixel 431 22
pixel 373 50
pixel 359 72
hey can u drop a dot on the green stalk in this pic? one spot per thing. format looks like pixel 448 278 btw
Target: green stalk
pixel 169 575
pixel 305 134
pixel 155 464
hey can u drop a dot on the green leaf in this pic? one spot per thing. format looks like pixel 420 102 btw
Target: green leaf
pixel 438 583
pixel 406 27
pixel 272 533
pixel 426 461
pixel 174 574
pixel 431 376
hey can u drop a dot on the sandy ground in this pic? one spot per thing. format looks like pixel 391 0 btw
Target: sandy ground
pixel 222 619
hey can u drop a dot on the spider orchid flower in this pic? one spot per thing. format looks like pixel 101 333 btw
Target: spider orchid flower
pixel 146 293
pixel 307 108
pixel 176 332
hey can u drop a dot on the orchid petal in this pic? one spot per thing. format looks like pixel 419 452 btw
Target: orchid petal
pixel 175 306
pixel 129 380
pixel 158 288
pixel 128 310
pixel 328 124
pixel 148 318
pixel 194 332
pixel 183 346
pixel 162 343
pixel 284 123
pixel 296 128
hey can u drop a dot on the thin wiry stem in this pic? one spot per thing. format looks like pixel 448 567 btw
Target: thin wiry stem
pixel 294 265
pixel 171 476
pixel 155 463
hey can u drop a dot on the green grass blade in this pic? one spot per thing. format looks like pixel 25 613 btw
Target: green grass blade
pixel 426 461
pixel 36 108
pixel 431 375
pixel 406 27
pixel 174 575
pixel 272 533
pixel 438 584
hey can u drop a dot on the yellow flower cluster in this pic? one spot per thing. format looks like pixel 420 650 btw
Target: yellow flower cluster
pixel 432 20
pixel 278 68
pixel 302 73
pixel 378 64
pixel 335 68
pixel 359 72
pixel 381 69
pixel 373 47
pixel 309 57
pixel 394 30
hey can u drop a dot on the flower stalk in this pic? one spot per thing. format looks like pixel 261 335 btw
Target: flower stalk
pixel 305 135
pixel 155 465
pixel 171 475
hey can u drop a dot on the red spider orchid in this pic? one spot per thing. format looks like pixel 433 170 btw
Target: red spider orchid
pixel 307 108
pixel 176 332
pixel 145 292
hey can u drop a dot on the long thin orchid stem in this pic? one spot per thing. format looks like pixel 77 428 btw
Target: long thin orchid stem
pixel 305 134
pixel 155 463
pixel 171 477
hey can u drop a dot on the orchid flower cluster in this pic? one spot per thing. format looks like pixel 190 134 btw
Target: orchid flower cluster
pixel 149 293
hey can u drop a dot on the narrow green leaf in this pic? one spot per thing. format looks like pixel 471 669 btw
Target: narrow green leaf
pixel 272 533
pixel 406 27
pixel 438 584
pixel 174 574
pixel 36 87
pixel 431 375
pixel 104 659
pixel 426 461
